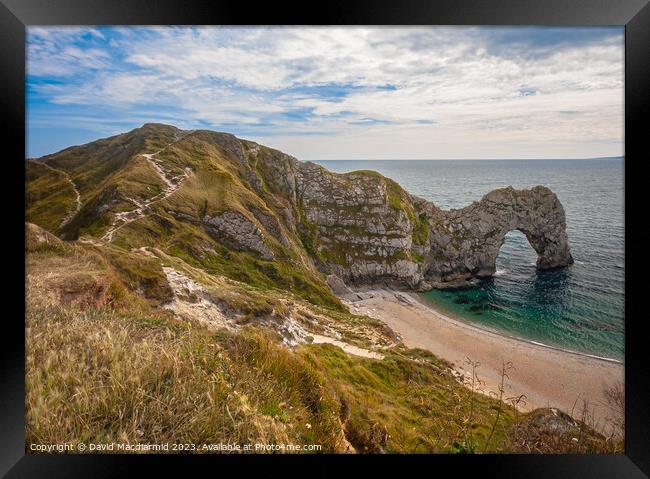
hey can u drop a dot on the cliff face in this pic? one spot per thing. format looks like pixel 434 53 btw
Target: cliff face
pixel 261 215
pixel 370 230
pixel 362 225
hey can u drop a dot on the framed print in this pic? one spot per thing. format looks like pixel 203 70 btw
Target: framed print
pixel 387 231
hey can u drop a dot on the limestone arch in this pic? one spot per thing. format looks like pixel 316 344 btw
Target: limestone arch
pixel 539 216
pixel 465 242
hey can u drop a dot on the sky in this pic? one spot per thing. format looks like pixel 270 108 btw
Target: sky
pixel 322 93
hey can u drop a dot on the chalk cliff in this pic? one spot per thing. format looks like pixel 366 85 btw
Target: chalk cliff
pixel 368 229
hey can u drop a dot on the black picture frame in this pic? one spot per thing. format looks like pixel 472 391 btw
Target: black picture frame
pixel 15 15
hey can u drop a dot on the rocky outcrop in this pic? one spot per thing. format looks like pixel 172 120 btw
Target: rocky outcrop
pixel 361 223
pixel 237 231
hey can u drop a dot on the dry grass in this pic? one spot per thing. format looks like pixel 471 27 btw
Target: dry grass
pixel 552 431
pixel 409 402
pixel 106 364
pixel 99 376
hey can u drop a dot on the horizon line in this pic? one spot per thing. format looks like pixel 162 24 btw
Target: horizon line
pixel 616 157
pixel 260 142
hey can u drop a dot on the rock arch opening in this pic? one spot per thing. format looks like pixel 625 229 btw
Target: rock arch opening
pixel 516 253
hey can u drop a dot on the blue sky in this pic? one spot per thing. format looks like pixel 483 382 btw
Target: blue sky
pixel 336 93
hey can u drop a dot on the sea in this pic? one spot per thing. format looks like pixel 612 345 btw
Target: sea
pixel 579 308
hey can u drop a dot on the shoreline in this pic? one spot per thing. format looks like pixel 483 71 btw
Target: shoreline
pixel 548 376
pixel 461 322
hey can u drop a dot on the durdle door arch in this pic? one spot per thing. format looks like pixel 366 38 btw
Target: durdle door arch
pixel 466 242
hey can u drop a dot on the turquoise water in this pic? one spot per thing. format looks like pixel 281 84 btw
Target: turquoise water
pixel 580 308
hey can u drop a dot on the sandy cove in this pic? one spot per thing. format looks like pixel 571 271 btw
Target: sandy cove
pixel 549 377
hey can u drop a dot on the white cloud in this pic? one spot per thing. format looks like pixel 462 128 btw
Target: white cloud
pixel 52 51
pixel 406 92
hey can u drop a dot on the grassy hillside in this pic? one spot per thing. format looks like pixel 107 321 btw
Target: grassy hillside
pixel 91 164
pixel 111 173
